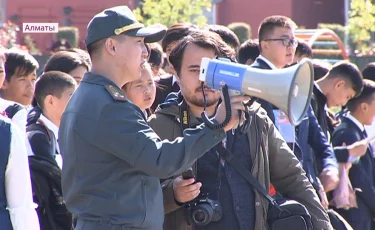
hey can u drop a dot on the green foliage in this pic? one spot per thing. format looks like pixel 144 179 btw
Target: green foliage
pixel 361 24
pixel 170 12
pixel 69 33
pixel 242 30
pixel 29 42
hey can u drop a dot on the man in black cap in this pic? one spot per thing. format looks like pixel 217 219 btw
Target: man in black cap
pixel 112 159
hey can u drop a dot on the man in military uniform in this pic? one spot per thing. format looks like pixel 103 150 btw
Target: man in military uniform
pixel 112 159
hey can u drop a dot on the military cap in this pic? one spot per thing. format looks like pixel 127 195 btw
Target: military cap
pixel 120 20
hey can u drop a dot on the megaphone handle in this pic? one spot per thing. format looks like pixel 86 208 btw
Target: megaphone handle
pixel 228 110
pixel 231 94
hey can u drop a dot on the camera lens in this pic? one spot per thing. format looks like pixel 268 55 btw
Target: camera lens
pixel 202 215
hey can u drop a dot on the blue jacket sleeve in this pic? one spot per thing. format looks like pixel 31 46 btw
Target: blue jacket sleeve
pixel 319 143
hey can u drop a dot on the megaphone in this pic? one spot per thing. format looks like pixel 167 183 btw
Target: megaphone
pixel 289 89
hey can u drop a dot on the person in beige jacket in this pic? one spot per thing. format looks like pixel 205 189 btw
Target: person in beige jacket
pixel 262 149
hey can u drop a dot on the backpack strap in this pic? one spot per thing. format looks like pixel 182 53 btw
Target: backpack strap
pixel 43 128
pixel 12 110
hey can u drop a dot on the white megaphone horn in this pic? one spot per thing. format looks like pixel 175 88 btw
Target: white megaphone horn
pixel 289 89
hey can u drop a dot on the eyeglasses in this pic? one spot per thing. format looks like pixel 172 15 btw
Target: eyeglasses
pixel 286 41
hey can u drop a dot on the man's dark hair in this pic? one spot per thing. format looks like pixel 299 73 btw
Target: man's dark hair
pixel 366 96
pixel 177 32
pixel 248 50
pixel 19 63
pixel 65 61
pixel 94 47
pixel 52 83
pixel 369 71
pixel 303 49
pixel 156 54
pixel 204 39
pixel 349 72
pixel 226 34
pixel 269 24
pixel 321 69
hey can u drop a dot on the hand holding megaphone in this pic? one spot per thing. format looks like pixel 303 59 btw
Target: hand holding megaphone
pixel 236 103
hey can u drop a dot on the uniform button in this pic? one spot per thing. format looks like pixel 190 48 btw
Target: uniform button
pixel 257 203
pixel 229 175
pixel 237 208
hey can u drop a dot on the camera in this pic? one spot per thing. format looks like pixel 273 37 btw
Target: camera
pixel 201 211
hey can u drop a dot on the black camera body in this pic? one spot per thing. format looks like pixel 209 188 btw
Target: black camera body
pixel 201 211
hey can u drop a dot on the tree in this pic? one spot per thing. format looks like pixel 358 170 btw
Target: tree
pixel 242 30
pixel 169 12
pixel 361 24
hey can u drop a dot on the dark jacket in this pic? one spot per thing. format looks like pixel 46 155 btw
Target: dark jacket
pixel 5 134
pixel 113 160
pixel 164 86
pixel 42 141
pixel 318 103
pixel 361 175
pixel 277 162
pixel 313 147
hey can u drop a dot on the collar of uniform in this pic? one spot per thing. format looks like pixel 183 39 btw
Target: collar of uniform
pixel 93 78
pixel 50 125
pixel 174 80
pixel 355 121
pixel 269 63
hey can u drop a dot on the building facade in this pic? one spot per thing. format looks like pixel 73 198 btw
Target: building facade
pixel 306 13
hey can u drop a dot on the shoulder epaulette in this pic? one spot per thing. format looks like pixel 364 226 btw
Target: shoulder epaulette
pixel 116 93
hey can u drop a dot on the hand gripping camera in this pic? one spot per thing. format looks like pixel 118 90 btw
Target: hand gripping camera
pixel 201 211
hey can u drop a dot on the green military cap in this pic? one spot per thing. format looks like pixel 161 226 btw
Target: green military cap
pixel 118 20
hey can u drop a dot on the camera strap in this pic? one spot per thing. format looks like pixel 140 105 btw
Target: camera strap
pixel 184 115
pixel 231 159
pixel 185 124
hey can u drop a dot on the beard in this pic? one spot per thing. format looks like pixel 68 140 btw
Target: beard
pixel 197 98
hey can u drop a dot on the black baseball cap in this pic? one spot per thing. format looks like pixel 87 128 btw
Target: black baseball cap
pixel 120 20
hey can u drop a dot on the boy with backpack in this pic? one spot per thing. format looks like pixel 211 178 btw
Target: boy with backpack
pixel 52 92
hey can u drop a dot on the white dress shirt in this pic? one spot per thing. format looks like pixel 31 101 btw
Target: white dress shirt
pixel 271 65
pixel 20 117
pixel 55 130
pixel 18 184
pixel 174 80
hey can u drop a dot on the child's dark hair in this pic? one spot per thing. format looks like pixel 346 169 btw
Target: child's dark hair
pixel 366 96
pixel 19 63
pixel 65 61
pixel 52 83
pixel 369 71
pixel 349 72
